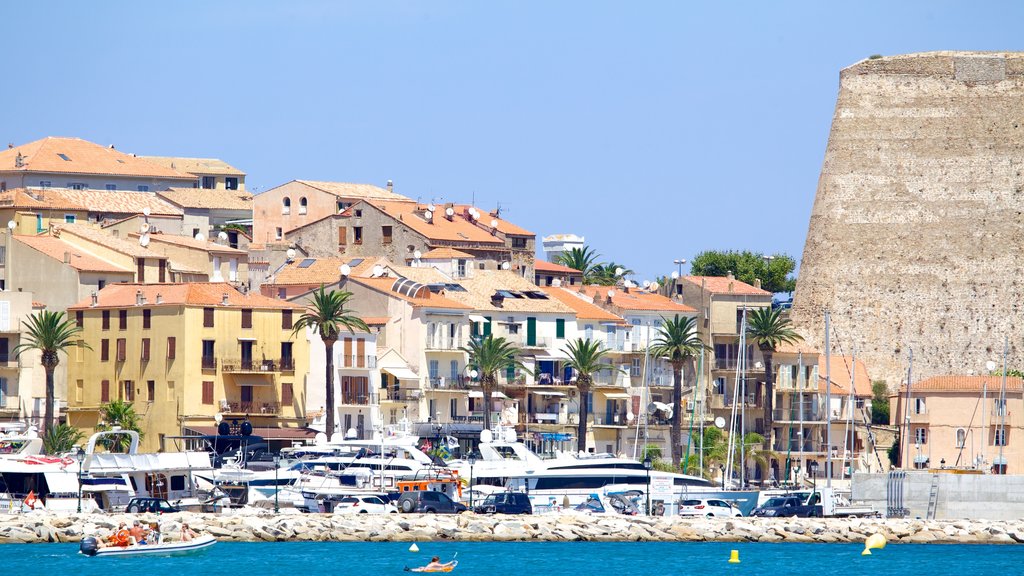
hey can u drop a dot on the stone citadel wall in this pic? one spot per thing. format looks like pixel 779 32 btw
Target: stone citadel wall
pixel 916 232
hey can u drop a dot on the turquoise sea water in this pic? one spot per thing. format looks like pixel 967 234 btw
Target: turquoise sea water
pixel 528 558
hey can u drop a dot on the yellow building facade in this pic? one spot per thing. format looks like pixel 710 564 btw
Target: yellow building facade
pixel 183 353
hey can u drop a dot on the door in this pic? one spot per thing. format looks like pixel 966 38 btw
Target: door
pixel 247 355
pixel 531 331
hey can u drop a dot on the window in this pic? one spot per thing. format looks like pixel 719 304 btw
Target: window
pixel 142 188
pixel 278 233
pixel 385 232
pixel 106 319
pixel 171 345
pixel 77 185
pixel 207 392
pixel 147 318
pixel 231 183
pixel 122 319
pixel 286 351
pixel 104 350
pixel 286 320
pixel 634 369
pixel 342 235
pixel 286 206
pixel 588 332
pixel 44 183
pixel 162 274
pixel 454 366
pixel 559 328
pixel 111 187
pixel 128 390
pixel 519 242
pixel 105 391
pixel 961 437
pixel 357 234
pixel 150 390
pixel 303 205
pixel 247 318
pixel 461 267
pixel 359 213
pixel 287 394
pixel 919 407
pixel 282 293
pixel 209 360
pixel 209 182
pixel 140 266
pixel 999 436
pixel 122 347
pixel 208 317
pixel 921 435
pixel 999 407
pixel 69 218
pixel 145 350
pixel 79 318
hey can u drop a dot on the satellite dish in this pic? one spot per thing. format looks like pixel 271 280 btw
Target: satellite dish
pixel 675 274
pixel 145 211
pixel 505 266
pixel 449 211
pixel 200 237
pixel 345 269
pixel 473 374
pixel 720 422
pixel 630 416
pixel 556 282
pixel 653 286
pixel 290 253
pixel 144 228
pixel 611 293
pixel 218 417
pixel 337 438
pixel 351 434
pixel 11 224
pixel 417 254
pixel 429 215
pixel 619 271
pixel 430 208
pixel 223 235
pixel 144 240
pixel 378 270
pixel 647 283
pixel 320 439
pixel 991 366
pixel 658 407
pixel 486 436
pixel 494 223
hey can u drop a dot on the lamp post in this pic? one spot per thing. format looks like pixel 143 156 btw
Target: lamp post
pixel 80 458
pixel 647 467
pixel 472 461
pixel 277 488
pixel 813 466
pixel 679 265
pixel 942 464
pixel 721 468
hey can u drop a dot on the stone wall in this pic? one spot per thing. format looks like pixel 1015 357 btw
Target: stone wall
pixel 958 496
pixel 916 231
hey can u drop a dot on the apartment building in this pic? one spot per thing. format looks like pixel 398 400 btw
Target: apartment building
pixel 183 353
pixel 22 379
pixel 207 173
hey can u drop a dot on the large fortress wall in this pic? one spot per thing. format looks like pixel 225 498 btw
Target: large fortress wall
pixel 916 233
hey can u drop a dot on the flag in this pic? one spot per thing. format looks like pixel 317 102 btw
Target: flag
pixel 453 442
pixel 31 499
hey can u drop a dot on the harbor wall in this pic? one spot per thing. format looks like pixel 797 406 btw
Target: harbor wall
pixel 958 496
pixel 40 527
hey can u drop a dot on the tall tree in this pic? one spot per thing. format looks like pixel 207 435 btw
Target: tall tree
pixel 122 415
pixel 607 273
pixel 326 315
pixel 678 343
pixel 582 259
pixel 773 271
pixel 769 329
pixel 585 357
pixel 489 355
pixel 61 438
pixel 50 333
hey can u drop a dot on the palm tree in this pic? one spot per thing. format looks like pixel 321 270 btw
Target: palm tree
pixel 756 455
pixel 489 355
pixel 604 274
pixel 767 328
pixel 61 438
pixel 678 343
pixel 50 333
pixel 122 415
pixel 582 259
pixel 585 358
pixel 327 316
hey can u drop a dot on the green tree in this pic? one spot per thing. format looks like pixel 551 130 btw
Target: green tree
pixel 604 274
pixel 894 452
pixel 880 402
pixel 489 355
pixel 775 272
pixel 50 333
pixel 585 357
pixel 769 329
pixel 61 438
pixel 755 454
pixel 678 343
pixel 582 259
pixel 326 315
pixel 120 414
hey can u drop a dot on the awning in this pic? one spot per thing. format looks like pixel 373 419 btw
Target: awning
pixel 479 394
pixel 246 339
pixel 62 482
pixel 546 393
pixel 477 318
pixel 617 396
pixel 401 373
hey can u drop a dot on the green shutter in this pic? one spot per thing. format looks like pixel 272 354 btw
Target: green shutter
pixel 510 372
pixel 531 331
pixel 560 328
pixel 487 327
pixel 474 329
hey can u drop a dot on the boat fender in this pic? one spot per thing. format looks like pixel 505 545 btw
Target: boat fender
pixel 89 546
pixel 122 538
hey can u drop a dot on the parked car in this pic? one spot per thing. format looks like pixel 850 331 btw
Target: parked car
pixel 708 507
pixel 505 503
pixel 364 504
pixel 429 502
pixel 157 505
pixel 606 504
pixel 789 506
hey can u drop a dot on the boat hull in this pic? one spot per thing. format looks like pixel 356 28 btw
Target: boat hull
pixel 167 548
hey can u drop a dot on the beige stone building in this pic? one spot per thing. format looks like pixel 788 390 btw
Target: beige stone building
pixel 208 173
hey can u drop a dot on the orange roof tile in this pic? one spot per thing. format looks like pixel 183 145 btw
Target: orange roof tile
pixel 195 166
pixel 431 300
pixel 208 199
pixel 375 320
pixel 723 285
pixel 445 254
pixel 584 307
pixel 956 383
pixel 636 299
pixel 77 156
pixel 36 304
pixel 183 294
pixel 321 271
pixel 458 229
pixel 79 259
pixel 545 266
pixel 35 199
pixel 841 375
pixel 98 236
pixel 119 202
pixel 353 190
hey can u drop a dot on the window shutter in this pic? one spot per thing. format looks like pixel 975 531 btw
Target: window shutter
pixel 286 320
pixel 171 344
pixel 104 350
pixel 207 392
pixel 286 393
pixel 105 390
pixel 145 349
pixel 246 318
pixel 122 346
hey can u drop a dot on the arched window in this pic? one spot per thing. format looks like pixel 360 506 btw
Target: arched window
pixel 961 437
pixel 286 205
pixel 302 205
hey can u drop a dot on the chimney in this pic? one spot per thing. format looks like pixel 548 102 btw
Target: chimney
pixel 730 275
pixel 139 300
pixel 497 299
pixel 224 299
pixel 159 298
pixel 67 257
pixel 757 282
pixel 95 299
pixel 391 186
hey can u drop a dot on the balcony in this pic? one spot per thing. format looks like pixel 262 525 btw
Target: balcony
pixel 547 418
pixel 209 363
pixel 234 407
pixel 999 415
pixel 352 399
pixel 613 419
pixel 808 414
pixel 732 362
pixel 349 362
pixel 10 405
pixel 917 416
pixel 248 365
pixel 286 365
pixel 8 361
pixel 795 446
pixel 444 343
pixel 447 383
pixel 402 395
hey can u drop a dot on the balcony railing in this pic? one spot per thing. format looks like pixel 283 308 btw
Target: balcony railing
pixel 358 399
pixel 448 383
pixel 402 395
pixel 209 363
pixel 444 343
pixel 248 365
pixel 808 446
pixel 286 365
pixel 251 407
pixel 614 419
pixel 355 361
pixel 807 415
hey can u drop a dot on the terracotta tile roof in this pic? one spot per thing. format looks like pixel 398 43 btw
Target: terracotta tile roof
pixel 324 271
pixel 458 229
pixel 636 299
pixel 583 305
pixel 841 375
pixel 445 253
pixel 83 157
pixel 120 202
pixel 80 259
pixel 375 320
pixel 209 199
pixel 352 190
pixel 191 294
pixel 954 383
pixel 190 242
pixel 485 283
pixel 723 285
pixel 421 274
pixel 97 236
pixel 35 199
pixel 425 299
pixel 545 266
pixel 195 166
pixel 38 305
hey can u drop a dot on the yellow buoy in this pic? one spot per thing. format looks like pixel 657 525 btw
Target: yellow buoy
pixel 414 548
pixel 873 542
pixel 734 557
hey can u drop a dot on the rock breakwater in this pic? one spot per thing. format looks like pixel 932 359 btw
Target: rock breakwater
pixel 41 527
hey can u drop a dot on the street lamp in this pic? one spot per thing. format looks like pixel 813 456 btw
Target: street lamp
pixel 721 468
pixel 472 461
pixel 679 265
pixel 80 458
pixel 813 466
pixel 942 463
pixel 277 487
pixel 647 466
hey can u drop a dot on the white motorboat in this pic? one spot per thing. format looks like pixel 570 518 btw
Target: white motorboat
pixel 90 547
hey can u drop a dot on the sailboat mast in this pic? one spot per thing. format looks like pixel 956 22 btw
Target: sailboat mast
pixel 800 383
pixel 828 398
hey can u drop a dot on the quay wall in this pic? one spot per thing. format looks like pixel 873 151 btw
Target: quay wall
pixel 40 527
pixel 957 496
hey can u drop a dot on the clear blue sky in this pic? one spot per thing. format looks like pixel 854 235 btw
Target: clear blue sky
pixel 655 130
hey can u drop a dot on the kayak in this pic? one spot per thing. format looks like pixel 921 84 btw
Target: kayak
pixel 446 568
pixel 89 547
